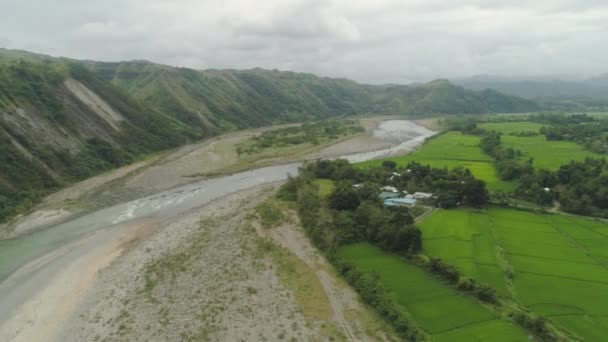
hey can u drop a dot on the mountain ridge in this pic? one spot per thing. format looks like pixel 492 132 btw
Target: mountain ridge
pixel 62 120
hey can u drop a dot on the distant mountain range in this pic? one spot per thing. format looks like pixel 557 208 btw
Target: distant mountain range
pixel 588 94
pixel 62 120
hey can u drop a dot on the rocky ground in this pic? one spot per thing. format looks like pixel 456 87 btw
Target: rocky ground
pixel 211 275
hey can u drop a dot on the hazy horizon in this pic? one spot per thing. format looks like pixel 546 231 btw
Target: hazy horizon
pixel 383 41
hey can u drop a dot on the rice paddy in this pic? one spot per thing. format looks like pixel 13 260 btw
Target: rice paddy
pixel 438 309
pixel 548 155
pixel 556 265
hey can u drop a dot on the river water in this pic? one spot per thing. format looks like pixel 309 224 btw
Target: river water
pixel 17 252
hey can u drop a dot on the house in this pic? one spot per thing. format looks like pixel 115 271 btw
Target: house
pixel 357 186
pixel 399 202
pixel 422 195
pixel 386 195
pixel 395 174
pixel 390 189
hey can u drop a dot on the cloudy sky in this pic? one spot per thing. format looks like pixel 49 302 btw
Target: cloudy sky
pixel 377 41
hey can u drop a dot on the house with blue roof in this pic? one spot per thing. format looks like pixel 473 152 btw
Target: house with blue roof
pixel 400 202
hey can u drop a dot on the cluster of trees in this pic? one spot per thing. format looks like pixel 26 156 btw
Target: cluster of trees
pixel 308 133
pixel 349 214
pixel 580 187
pixel 452 276
pixel 592 135
pixel 507 160
pixel 450 187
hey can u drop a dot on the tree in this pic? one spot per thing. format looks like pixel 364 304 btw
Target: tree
pixel 475 193
pixel 344 197
pixel 389 165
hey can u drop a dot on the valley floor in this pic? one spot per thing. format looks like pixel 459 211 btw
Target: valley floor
pixel 206 274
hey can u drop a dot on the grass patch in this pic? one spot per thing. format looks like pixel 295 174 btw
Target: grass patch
pixel 270 214
pixel 559 263
pixel 297 276
pixel 512 127
pixel 292 138
pixel 326 187
pixel 437 308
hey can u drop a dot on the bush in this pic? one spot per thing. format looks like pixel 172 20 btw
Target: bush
pixel 270 215
pixel 536 324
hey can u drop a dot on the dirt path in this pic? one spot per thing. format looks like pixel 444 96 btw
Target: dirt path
pixel 342 298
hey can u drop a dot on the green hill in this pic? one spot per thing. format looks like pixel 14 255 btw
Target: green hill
pixel 220 99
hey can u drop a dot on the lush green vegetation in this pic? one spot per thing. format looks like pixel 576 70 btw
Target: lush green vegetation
pixel 437 308
pixel 36 88
pixel 181 105
pixel 513 127
pixel 355 215
pixel 307 134
pixel 553 264
pixel 326 187
pixel 589 131
pixel 548 155
pixel 450 150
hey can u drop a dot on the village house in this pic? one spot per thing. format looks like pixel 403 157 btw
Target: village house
pixel 421 195
pixel 399 202
pixel 388 194
pixel 390 189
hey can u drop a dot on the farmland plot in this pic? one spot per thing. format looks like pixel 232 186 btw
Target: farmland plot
pixel 558 263
pixel 438 309
pixel 453 149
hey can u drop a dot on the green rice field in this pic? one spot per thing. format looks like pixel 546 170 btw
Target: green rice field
pixel 548 155
pixel 559 263
pixel 512 127
pixel 438 309
pixel 450 150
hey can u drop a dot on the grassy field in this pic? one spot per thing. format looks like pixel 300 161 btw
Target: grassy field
pixel 326 186
pixel 436 308
pixel 450 150
pixel 512 127
pixel 548 155
pixel 559 263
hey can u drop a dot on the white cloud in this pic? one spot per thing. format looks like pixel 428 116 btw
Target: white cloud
pixel 368 40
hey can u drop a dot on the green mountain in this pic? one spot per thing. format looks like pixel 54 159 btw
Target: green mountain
pixel 442 97
pixel 220 100
pixel 227 99
pixel 62 120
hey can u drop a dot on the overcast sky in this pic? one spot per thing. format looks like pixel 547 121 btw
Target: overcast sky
pixel 377 41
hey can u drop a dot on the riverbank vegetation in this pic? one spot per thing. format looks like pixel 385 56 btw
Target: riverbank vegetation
pixel 310 134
